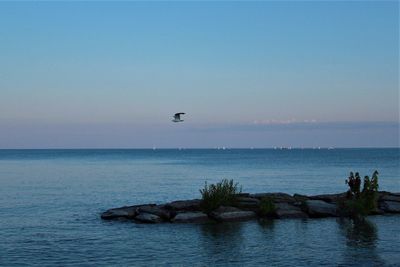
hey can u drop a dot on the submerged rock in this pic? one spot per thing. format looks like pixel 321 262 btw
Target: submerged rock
pixel 286 211
pixel 128 212
pixel 319 208
pixel 191 217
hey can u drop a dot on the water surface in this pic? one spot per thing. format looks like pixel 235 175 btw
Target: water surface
pixel 50 201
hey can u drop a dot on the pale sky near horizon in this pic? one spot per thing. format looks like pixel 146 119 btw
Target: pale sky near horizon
pixel 248 74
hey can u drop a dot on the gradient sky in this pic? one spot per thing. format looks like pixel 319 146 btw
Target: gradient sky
pixel 260 74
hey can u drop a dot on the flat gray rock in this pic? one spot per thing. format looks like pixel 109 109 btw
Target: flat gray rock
pixel 191 217
pixel 248 199
pixel 248 202
pixel 222 209
pixel 390 206
pixel 184 205
pixel 156 210
pixel 331 198
pixel 390 197
pixel 234 216
pixel 276 197
pixel 287 211
pixel 319 208
pixel 148 218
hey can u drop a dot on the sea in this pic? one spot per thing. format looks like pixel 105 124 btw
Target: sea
pixel 51 201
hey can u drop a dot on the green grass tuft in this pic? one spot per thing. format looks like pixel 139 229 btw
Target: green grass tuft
pixel 219 194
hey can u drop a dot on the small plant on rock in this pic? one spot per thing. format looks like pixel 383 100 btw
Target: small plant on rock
pixel 354 182
pixel 219 194
pixel 370 192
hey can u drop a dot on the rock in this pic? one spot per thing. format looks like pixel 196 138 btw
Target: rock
pixel 286 211
pixel 376 211
pixel 248 199
pixel 234 216
pixel 248 202
pixel 319 208
pixel 390 197
pixel 128 212
pixel 156 210
pixel 184 205
pixel 242 195
pixel 331 198
pixel 300 198
pixel 222 209
pixel 145 217
pixel 276 197
pixel 248 205
pixel 191 217
pixel 390 206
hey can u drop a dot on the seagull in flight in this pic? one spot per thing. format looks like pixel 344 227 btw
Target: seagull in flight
pixel 177 117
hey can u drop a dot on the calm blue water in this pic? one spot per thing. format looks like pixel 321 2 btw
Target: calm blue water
pixel 50 202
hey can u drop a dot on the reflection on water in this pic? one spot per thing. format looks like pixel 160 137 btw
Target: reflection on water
pixel 266 225
pixel 217 231
pixel 51 202
pixel 223 239
pixel 359 233
pixel 361 238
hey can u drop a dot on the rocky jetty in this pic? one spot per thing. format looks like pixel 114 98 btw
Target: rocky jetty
pixel 247 207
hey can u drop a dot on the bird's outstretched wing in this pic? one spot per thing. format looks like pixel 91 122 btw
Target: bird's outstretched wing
pixel 177 116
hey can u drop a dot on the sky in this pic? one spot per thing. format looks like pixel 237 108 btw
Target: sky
pixel 247 74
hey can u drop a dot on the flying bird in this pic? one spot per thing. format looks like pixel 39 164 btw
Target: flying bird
pixel 177 117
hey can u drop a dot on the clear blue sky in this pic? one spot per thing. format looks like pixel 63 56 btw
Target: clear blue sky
pixel 262 74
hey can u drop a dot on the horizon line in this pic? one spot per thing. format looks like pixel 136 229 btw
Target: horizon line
pixel 210 148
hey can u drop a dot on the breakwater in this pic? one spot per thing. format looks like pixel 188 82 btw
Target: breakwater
pixel 247 207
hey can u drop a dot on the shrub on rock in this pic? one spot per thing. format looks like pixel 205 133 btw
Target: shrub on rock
pixel 361 203
pixel 223 193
